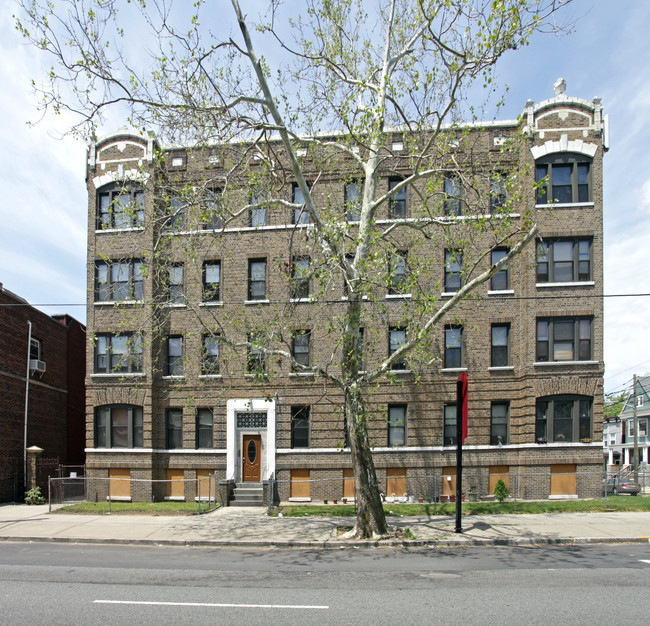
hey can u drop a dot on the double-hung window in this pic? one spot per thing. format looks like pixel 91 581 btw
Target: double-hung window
pixel 210 355
pixel 174 356
pixel 212 281
pixel 453 195
pixel 120 206
pixel 174 428
pixel 564 260
pixel 353 198
pixel 449 425
pixel 257 279
pixel 499 415
pixel 257 217
pixel 255 359
pixel 300 344
pixel 300 427
pixel 300 214
pixel 397 273
pixel 212 215
pixel 119 280
pixel 118 354
pixel 118 426
pixel 564 339
pixel 498 192
pixel 501 279
pixel 176 212
pixel 397 202
pixel 453 357
pixel 300 283
pixel 500 345
pixel 563 178
pixel 203 428
pixel 396 425
pixel 175 284
pixel 396 339
pixel 453 274
pixel 563 418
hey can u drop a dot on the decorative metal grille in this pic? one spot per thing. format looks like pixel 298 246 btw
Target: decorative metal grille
pixel 251 420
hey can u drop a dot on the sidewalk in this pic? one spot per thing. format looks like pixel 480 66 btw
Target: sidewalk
pixel 250 527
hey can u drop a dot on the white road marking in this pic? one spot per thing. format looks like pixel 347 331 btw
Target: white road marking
pixel 644 561
pixel 216 605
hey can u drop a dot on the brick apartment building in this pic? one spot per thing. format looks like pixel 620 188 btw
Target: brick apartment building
pixel 55 395
pixel 167 400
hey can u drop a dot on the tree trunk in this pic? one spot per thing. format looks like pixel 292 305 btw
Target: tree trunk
pixel 371 521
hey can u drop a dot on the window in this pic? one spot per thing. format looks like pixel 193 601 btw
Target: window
pixel 255 360
pixel 120 206
pixel 563 178
pixel 449 425
pixel 360 341
pixel 176 212
pixel 499 423
pixel 300 215
pixel 353 199
pixel 397 202
pixel 204 425
pixel 300 283
pixel 210 356
pixel 115 281
pixel 501 280
pixel 453 277
pixel 258 213
pixel 174 363
pixel 564 339
pixel 452 189
pixel 212 217
pixel 397 273
pixel 500 342
pixel 498 193
pixel 212 281
pixel 118 426
pixel 453 347
pixel 563 260
pixel 396 425
pixel 174 427
pixel 300 427
pixel 118 354
pixel 34 349
pixel 563 418
pixel 175 285
pixel 257 279
pixel 396 339
pixel 300 347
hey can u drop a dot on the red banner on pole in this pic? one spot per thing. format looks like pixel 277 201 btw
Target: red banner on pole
pixel 462 379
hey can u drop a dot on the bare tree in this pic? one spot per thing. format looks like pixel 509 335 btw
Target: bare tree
pixel 335 90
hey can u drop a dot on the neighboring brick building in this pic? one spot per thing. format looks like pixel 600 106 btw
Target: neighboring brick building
pixel 55 398
pixel 167 400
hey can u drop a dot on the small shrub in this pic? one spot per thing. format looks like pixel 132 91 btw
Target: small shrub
pixel 34 496
pixel 501 491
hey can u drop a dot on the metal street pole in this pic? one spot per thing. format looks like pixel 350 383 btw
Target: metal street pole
pixel 635 460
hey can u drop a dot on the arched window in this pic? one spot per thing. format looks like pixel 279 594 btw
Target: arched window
pixel 563 178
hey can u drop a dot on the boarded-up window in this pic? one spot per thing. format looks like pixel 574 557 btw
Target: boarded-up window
pixel 395 481
pixel 498 472
pixel 204 484
pixel 120 482
pixel 348 483
pixel 563 479
pixel 300 485
pixel 175 485
pixel 449 481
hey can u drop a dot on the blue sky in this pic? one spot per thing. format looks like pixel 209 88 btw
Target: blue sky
pixel 44 207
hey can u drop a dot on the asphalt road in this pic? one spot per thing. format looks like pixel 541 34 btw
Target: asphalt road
pixel 83 584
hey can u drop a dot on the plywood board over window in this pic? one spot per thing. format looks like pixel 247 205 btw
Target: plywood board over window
pixel 348 483
pixel 395 481
pixel 563 479
pixel 120 483
pixel 300 484
pixel 175 485
pixel 498 472
pixel 449 481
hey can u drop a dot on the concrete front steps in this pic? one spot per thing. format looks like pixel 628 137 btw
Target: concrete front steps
pixel 248 494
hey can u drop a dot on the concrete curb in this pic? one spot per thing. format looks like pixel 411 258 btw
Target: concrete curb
pixel 337 545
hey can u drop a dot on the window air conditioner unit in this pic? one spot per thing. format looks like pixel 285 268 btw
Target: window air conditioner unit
pixel 36 365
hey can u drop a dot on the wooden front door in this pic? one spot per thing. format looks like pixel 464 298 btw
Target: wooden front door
pixel 251 458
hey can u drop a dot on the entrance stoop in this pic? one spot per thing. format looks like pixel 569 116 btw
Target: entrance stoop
pixel 248 494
